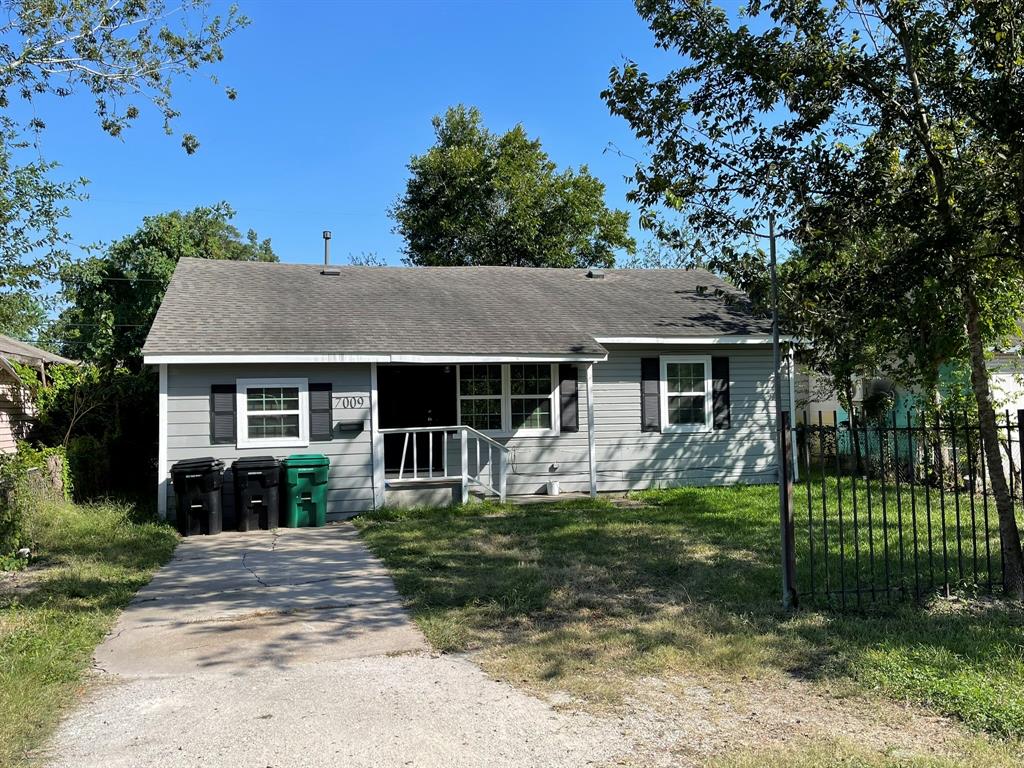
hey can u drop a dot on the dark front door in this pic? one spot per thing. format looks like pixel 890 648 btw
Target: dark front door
pixel 415 396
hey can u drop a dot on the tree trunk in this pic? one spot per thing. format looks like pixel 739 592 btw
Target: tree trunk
pixel 1009 534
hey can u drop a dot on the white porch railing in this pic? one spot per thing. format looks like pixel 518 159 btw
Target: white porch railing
pixel 491 458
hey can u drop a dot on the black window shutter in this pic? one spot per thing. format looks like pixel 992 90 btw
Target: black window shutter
pixel 650 394
pixel 569 390
pixel 222 413
pixel 720 392
pixel 321 416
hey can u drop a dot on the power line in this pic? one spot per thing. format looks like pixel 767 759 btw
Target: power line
pixel 132 279
pixel 105 325
pixel 56 340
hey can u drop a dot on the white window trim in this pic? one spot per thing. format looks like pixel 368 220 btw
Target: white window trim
pixel 459 397
pixel 506 404
pixel 553 399
pixel 666 426
pixel 242 438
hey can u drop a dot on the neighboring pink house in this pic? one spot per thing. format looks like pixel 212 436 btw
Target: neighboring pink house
pixel 15 406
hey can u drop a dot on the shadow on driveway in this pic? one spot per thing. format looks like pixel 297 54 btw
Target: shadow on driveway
pixel 236 602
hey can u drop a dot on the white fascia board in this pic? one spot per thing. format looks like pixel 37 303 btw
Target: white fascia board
pixel 401 358
pixel 542 358
pixel 261 358
pixel 691 340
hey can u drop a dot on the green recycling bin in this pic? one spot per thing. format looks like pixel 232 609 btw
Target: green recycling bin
pixel 304 501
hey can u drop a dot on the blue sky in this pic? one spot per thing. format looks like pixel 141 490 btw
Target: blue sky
pixel 333 100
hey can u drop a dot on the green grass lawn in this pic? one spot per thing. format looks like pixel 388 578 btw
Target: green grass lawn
pixel 92 560
pixel 580 596
pixel 901 539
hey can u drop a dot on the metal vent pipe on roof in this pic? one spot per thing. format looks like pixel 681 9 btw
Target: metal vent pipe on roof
pixel 327 247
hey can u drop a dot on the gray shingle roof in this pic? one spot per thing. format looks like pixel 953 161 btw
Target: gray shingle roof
pixel 232 307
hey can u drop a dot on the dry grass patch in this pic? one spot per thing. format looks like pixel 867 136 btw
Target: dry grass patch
pixel 847 753
pixel 598 602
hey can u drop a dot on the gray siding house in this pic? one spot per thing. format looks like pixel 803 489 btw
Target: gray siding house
pixel 465 381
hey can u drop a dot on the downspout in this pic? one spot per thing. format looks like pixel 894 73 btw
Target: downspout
pixel 591 434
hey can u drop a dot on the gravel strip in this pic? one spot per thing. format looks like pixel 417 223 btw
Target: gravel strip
pixel 407 710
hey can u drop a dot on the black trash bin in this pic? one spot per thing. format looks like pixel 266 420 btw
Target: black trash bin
pixel 256 492
pixel 197 484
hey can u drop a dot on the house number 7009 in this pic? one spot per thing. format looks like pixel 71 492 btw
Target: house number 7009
pixel 352 402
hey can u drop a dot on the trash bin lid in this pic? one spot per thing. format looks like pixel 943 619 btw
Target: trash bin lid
pixel 306 460
pixel 201 464
pixel 254 463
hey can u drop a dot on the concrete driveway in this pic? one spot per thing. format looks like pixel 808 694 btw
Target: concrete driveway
pixel 242 601
pixel 292 648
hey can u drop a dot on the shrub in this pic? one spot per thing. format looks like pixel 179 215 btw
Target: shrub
pixel 27 478
pixel 108 421
pixel 89 465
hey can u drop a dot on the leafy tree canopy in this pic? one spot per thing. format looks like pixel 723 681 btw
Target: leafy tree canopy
pixel 124 57
pixel 476 198
pixel 886 136
pixel 113 297
pixel 21 315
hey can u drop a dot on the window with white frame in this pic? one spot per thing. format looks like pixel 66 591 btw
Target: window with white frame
pixel 686 393
pixel 530 396
pixel 272 412
pixel 517 398
pixel 480 397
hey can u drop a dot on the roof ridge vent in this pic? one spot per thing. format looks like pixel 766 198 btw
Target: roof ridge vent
pixel 330 270
pixel 596 273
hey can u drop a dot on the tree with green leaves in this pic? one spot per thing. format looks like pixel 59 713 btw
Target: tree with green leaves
pixel 21 314
pixel 476 198
pixel 125 57
pixel 854 122
pixel 113 297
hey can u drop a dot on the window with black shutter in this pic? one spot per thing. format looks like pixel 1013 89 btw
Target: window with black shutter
pixel 222 414
pixel 650 396
pixel 720 392
pixel 570 398
pixel 321 415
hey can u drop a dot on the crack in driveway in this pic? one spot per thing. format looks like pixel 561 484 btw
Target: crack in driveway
pixel 250 570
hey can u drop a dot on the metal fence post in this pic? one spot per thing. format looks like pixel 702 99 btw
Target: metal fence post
pixel 786 517
pixel 1020 448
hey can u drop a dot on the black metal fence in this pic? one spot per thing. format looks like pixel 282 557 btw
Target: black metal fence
pixel 898 510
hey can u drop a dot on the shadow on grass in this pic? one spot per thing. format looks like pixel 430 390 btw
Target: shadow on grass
pixel 685 582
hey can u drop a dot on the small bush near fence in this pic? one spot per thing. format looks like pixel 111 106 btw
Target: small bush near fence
pixel 26 477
